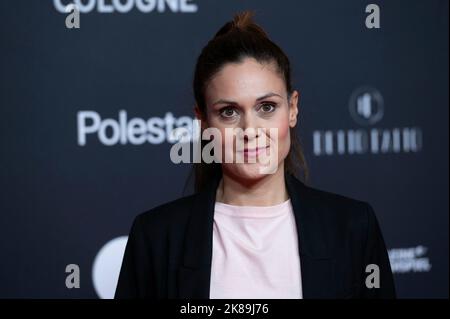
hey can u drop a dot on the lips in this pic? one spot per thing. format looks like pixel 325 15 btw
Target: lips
pixel 254 151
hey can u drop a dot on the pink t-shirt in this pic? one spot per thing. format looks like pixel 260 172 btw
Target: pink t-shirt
pixel 255 253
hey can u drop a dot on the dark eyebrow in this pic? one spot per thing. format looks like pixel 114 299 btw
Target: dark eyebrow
pixel 265 96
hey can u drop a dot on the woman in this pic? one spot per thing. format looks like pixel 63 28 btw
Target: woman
pixel 246 232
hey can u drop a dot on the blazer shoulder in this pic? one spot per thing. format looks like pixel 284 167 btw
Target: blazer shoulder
pixel 172 212
pixel 335 199
pixel 342 215
pixel 339 206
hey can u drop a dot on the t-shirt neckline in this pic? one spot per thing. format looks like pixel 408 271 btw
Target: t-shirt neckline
pixel 253 211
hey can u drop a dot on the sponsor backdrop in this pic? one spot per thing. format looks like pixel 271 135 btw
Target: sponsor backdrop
pixel 89 105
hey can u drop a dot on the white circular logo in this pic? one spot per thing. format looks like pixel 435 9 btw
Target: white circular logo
pixel 366 105
pixel 106 268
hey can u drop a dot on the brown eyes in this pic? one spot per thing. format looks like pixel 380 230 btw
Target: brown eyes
pixel 230 111
pixel 267 107
pixel 227 111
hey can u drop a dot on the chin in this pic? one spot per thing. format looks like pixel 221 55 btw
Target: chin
pixel 247 171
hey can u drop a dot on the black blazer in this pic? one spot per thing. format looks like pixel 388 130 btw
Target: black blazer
pixel 169 249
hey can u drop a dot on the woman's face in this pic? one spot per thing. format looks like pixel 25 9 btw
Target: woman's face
pixel 249 96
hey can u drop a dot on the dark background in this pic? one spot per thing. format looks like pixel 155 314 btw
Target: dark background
pixel 61 202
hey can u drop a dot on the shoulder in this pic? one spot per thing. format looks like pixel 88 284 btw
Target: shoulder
pixel 169 214
pixel 339 209
pixel 334 201
pixel 342 219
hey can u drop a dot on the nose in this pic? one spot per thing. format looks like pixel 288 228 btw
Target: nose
pixel 249 127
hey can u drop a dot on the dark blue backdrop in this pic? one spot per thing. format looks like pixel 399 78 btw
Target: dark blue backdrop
pixel 374 123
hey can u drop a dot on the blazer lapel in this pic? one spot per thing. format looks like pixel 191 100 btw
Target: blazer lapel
pixel 316 264
pixel 317 271
pixel 195 274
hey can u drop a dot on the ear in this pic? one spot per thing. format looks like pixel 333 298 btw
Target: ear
pixel 293 108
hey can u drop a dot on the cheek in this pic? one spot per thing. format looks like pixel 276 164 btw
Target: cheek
pixel 283 131
pixel 218 127
pixel 284 139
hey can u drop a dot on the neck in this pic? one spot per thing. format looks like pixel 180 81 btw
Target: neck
pixel 266 191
